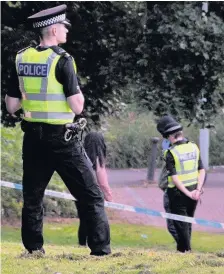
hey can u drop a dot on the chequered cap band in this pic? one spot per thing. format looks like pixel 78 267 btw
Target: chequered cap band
pixel 48 22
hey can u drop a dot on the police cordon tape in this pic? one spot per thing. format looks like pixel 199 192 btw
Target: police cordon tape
pixel 140 210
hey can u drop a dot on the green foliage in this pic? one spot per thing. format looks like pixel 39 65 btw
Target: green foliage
pixel 176 59
pixel 129 139
pixel 55 207
pixel 11 153
pixel 217 141
pixel 11 156
pixel 11 170
pixel 12 203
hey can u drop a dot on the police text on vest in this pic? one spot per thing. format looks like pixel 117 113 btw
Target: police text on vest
pixel 33 70
pixel 188 156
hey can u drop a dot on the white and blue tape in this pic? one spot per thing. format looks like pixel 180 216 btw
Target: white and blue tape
pixel 140 210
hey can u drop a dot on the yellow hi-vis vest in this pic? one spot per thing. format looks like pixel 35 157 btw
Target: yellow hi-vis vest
pixel 186 158
pixel 43 99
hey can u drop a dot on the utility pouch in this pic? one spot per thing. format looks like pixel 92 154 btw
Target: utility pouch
pixel 163 178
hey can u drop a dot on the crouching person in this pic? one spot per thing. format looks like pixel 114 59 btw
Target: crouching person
pixel 95 148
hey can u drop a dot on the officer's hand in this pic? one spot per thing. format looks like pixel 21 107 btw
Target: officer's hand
pixel 198 194
pixel 195 195
pixel 109 199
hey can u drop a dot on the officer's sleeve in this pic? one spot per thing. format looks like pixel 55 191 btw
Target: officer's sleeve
pixel 65 74
pixel 200 164
pixel 13 85
pixel 170 164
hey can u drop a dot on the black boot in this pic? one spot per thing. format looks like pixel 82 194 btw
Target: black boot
pixel 40 250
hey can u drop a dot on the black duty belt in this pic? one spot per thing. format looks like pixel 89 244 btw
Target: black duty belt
pixel 42 127
pixel 68 130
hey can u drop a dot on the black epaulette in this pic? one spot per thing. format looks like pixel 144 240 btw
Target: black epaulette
pixel 61 51
pixel 24 49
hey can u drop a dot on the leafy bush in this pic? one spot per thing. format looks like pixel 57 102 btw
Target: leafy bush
pixel 11 153
pixel 12 203
pixel 217 142
pixel 128 139
pixel 59 207
pixel 11 156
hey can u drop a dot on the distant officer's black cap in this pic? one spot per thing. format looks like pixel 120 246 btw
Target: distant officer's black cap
pixel 167 126
pixel 49 17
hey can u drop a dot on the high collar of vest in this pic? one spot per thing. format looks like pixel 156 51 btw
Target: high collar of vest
pixel 181 142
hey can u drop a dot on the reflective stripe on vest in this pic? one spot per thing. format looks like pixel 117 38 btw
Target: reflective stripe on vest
pixel 43 96
pixel 186 158
pixel 50 115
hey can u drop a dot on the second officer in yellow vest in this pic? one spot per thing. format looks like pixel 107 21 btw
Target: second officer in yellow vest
pixel 50 97
pixel 185 178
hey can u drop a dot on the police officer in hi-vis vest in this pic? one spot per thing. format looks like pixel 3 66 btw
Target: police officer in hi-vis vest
pixel 50 97
pixel 186 176
pixel 163 185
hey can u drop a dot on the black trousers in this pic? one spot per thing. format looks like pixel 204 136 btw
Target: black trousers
pixel 46 151
pixel 170 223
pixel 82 230
pixel 180 204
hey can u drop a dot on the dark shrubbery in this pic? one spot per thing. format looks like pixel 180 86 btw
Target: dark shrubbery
pixel 12 203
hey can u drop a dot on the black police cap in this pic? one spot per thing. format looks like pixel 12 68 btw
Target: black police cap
pixel 49 17
pixel 167 126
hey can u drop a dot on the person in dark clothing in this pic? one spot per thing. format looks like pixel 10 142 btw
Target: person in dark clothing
pixel 163 184
pixel 95 148
pixel 170 223
pixel 186 176
pixel 50 97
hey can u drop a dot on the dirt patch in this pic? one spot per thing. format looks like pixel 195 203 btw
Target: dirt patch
pixel 220 254
pixel 117 254
pixel 72 257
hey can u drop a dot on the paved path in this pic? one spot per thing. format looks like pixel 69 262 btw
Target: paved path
pixel 135 177
pixel 129 188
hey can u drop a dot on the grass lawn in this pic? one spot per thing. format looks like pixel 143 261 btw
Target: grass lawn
pixel 136 249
